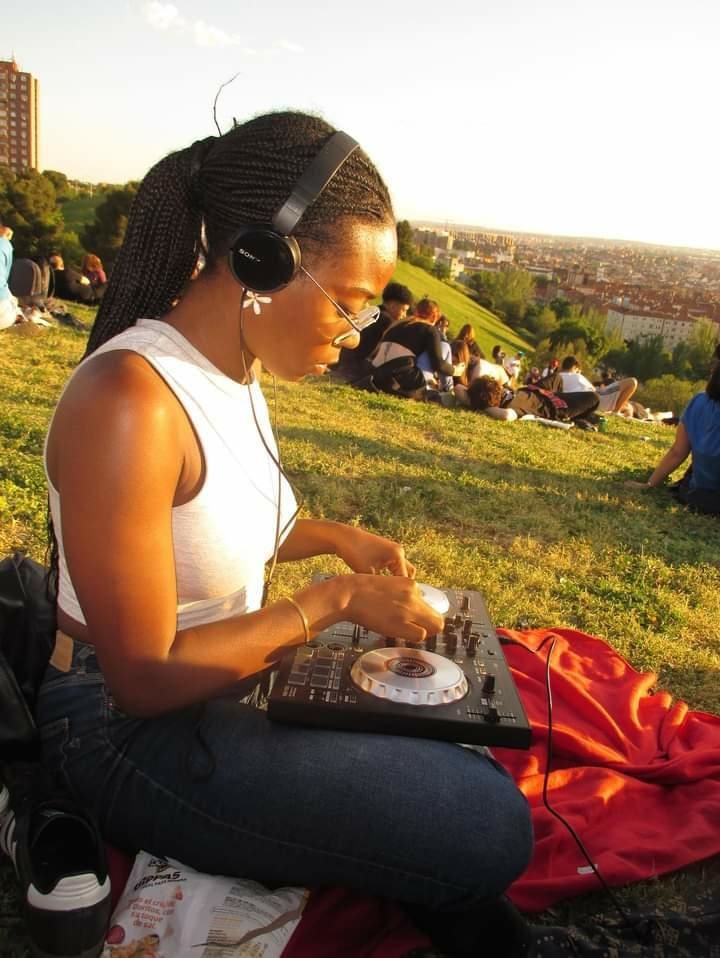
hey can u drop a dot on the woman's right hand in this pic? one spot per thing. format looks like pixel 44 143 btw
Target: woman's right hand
pixel 390 605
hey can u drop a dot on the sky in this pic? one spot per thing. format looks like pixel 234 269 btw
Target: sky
pixel 570 117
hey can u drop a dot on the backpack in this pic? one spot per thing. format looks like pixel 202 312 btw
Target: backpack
pixel 27 634
pixel 27 283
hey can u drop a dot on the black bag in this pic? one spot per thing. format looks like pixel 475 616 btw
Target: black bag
pixel 27 635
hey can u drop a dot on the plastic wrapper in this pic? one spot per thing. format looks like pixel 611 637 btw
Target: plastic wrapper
pixel 168 910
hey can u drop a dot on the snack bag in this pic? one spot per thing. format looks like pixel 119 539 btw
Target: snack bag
pixel 169 910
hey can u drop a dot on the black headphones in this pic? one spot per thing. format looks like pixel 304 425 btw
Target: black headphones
pixel 265 258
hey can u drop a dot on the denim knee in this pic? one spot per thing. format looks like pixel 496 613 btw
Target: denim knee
pixel 504 843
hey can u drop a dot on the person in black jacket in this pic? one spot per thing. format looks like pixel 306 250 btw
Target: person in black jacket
pixel 395 359
pixel 70 284
pixel 353 363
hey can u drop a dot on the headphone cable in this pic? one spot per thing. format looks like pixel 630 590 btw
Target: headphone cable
pixel 275 459
pixel 639 927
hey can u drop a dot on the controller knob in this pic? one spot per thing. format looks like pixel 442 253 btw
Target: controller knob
pixel 488 683
pixel 492 715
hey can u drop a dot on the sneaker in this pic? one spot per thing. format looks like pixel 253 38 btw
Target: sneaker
pixel 60 863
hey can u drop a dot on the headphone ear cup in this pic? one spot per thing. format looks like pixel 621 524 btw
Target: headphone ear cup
pixel 263 260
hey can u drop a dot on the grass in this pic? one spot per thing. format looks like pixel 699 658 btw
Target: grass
pixel 80 211
pixel 460 309
pixel 537 519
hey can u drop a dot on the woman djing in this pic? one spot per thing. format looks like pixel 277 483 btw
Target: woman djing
pixel 166 506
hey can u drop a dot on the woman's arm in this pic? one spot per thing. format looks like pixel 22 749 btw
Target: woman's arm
pixel 674 457
pixel 119 465
pixel 360 550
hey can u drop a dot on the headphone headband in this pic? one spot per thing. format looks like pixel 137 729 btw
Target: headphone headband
pixel 313 181
pixel 266 258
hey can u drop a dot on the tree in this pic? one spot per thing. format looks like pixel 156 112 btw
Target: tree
pixel 541 323
pixel 701 344
pixel 405 245
pixel 645 359
pixel 28 204
pixel 668 392
pixel 105 236
pixel 441 269
pixel 63 190
pixel 509 292
pixel 560 306
pixel 423 262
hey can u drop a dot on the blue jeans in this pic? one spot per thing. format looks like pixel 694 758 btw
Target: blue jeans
pixel 227 791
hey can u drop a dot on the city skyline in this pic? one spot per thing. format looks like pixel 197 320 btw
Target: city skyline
pixel 578 120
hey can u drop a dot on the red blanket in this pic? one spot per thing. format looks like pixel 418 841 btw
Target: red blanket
pixel 636 774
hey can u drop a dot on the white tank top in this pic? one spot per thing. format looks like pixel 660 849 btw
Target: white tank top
pixel 224 536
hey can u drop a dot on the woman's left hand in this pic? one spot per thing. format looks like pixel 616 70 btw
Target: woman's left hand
pixel 365 552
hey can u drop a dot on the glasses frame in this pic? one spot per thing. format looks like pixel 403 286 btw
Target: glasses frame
pixel 358 321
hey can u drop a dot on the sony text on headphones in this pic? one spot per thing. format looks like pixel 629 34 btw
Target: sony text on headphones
pixel 264 258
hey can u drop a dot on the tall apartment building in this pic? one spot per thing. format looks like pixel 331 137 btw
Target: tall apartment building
pixel 18 117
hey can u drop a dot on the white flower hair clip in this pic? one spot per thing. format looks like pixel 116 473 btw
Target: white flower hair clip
pixel 252 299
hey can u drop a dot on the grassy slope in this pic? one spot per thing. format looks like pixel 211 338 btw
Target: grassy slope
pixel 460 309
pixel 80 211
pixel 537 519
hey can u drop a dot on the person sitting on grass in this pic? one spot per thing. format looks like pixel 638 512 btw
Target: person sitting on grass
pixel 167 501
pixel 353 364
pixel 399 370
pixel 68 283
pixel 443 324
pixel 612 397
pixel 697 435
pixel 92 269
pixel 8 304
pixel 488 396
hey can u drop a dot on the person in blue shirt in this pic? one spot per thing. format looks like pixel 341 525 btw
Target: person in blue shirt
pixel 698 434
pixel 8 303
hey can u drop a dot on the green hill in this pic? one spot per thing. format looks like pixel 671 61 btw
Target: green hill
pixel 460 309
pixel 80 211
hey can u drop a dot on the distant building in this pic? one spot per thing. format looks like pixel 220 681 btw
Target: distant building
pixel 437 239
pixel 18 118
pixel 453 263
pixel 633 324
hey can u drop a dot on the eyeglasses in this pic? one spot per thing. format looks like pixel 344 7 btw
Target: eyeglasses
pixel 359 321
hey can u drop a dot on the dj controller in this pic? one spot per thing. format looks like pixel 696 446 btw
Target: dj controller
pixel 454 686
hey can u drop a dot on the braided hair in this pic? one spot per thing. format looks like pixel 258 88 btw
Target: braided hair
pixel 221 184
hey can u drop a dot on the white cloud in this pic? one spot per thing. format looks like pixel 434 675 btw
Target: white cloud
pixel 208 36
pixel 167 17
pixel 162 16
pixel 289 46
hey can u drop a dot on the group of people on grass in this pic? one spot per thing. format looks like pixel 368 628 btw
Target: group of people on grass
pixel 407 354
pixel 27 286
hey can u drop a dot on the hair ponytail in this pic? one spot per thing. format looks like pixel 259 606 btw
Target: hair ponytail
pixel 160 249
